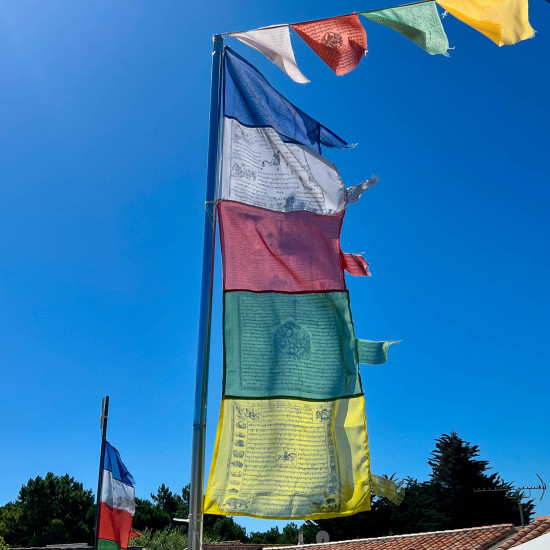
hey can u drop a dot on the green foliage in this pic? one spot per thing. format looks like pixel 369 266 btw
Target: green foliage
pixel 163 539
pixel 3 545
pixel 223 528
pixel 289 535
pixel 50 510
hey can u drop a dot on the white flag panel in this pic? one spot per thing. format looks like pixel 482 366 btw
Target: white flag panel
pixel 260 169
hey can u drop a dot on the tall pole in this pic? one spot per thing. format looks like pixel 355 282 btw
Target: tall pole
pixel 196 498
pixel 103 426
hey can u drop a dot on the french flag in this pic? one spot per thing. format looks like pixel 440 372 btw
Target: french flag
pixel 116 504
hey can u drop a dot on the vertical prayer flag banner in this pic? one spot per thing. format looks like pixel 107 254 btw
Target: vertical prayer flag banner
pixel 116 503
pixel 418 22
pixel 292 439
pixel 275 44
pixel 505 22
pixel 341 42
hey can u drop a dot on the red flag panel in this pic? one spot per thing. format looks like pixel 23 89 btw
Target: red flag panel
pixel 268 251
pixel 114 525
pixel 340 42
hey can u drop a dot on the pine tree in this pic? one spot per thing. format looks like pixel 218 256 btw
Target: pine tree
pixel 457 473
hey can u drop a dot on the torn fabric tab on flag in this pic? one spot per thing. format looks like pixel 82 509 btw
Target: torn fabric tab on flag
pixel 373 353
pixel 340 42
pixel 505 22
pixel 288 458
pixel 275 44
pixel 250 99
pixel 418 22
pixel 260 169
pixel 265 250
pixel 294 345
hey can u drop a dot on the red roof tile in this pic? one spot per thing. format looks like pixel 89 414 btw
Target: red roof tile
pixel 539 526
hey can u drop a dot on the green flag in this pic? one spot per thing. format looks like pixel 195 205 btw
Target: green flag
pixel 418 22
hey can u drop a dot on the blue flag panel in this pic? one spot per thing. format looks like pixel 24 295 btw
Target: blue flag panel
pixel 114 464
pixel 250 99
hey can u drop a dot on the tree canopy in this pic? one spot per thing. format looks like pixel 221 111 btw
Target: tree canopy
pixel 49 510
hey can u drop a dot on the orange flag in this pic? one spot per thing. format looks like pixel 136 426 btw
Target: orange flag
pixel 340 42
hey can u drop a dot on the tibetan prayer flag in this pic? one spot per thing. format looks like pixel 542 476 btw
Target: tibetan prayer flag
pixel 116 503
pixel 250 99
pixel 505 22
pixel 341 42
pixel 275 44
pixel 418 22
pixel 296 345
pixel 295 251
pixel 261 169
pixel 290 459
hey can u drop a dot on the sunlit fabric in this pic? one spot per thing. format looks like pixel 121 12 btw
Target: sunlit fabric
pixel 250 99
pixel 295 251
pixel 418 22
pixel 341 42
pixel 388 488
pixel 261 169
pixel 275 44
pixel 290 459
pixel 505 22
pixel 294 345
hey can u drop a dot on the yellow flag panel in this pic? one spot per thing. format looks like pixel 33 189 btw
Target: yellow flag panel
pixel 290 459
pixel 505 22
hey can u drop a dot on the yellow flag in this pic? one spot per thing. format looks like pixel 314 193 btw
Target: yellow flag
pixel 288 458
pixel 503 21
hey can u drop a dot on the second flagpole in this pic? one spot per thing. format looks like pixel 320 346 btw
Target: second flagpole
pixel 103 425
pixel 196 499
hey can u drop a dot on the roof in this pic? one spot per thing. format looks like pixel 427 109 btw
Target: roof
pixel 539 526
pixel 492 537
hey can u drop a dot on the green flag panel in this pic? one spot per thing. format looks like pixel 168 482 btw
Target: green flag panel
pixel 289 345
pixel 418 22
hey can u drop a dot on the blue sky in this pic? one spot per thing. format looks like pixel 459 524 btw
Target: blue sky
pixel 104 109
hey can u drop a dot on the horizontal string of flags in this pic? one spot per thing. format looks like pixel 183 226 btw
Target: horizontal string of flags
pixel 341 42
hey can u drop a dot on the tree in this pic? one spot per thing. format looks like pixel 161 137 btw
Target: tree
pixel 50 510
pixel 171 503
pixel 223 528
pixel 289 535
pixel 3 545
pixel 148 516
pixel 457 473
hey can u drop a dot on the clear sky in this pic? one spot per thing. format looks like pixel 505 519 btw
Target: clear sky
pixel 103 142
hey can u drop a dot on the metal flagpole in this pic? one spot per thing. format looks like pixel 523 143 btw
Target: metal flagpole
pixel 103 426
pixel 196 498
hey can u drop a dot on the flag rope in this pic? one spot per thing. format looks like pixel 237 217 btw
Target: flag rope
pixel 278 26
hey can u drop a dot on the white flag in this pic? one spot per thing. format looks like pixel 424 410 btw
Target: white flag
pixel 260 169
pixel 274 43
